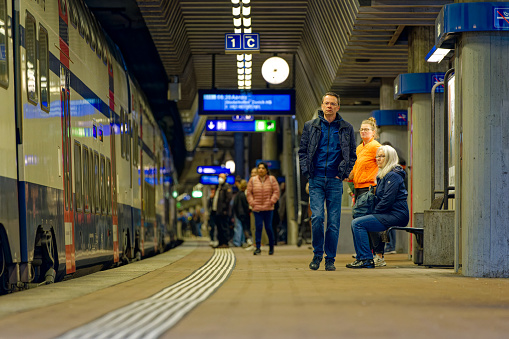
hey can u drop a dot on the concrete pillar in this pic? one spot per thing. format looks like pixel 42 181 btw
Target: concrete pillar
pixel 420 42
pixel 398 137
pixel 482 107
pixel 288 170
pixel 239 154
pixel 269 146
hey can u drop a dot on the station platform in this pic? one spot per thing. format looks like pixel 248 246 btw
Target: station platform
pixel 194 291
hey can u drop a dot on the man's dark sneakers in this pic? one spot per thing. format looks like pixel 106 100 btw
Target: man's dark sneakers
pixel 271 250
pixel 368 263
pixel 315 263
pixel 257 252
pixel 329 265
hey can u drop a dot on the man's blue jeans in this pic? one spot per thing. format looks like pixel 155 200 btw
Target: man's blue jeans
pixel 330 191
pixel 360 228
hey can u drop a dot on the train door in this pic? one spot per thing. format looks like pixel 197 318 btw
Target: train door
pixel 70 263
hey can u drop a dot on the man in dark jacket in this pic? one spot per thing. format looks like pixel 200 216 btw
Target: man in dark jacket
pixel 326 155
pixel 221 206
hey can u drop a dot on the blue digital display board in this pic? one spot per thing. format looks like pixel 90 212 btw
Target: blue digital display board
pixel 410 83
pixel 213 179
pixel 232 102
pixel 390 117
pixel 212 170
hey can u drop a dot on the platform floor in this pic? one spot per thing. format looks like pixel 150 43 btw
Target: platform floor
pixel 276 297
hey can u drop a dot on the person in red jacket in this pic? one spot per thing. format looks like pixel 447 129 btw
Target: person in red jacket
pixel 262 194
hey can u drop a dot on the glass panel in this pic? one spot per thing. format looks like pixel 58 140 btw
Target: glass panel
pixel 103 185
pixel 44 68
pixel 108 186
pixel 85 179
pixel 97 201
pixel 77 176
pixel 31 58
pixel 4 69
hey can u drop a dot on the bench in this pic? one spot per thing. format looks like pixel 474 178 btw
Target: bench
pixel 419 237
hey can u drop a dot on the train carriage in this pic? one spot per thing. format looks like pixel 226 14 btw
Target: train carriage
pixel 86 189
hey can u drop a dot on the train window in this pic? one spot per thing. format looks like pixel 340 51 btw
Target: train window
pixel 86 198
pixel 105 50
pixel 77 177
pixel 97 31
pixel 73 15
pixel 122 133
pixel 128 139
pixel 135 143
pixel 103 185
pixel 91 29
pixel 91 178
pixel 4 56
pixel 97 199
pixel 44 68
pixel 80 19
pixel 108 186
pixel 31 58
pixel 63 8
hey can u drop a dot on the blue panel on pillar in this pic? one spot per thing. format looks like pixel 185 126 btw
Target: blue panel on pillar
pixel 469 17
pixel 214 180
pixel 410 83
pixel 390 117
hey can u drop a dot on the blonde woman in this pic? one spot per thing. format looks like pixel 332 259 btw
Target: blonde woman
pixel 391 208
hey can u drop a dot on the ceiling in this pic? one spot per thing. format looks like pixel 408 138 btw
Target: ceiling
pixel 346 46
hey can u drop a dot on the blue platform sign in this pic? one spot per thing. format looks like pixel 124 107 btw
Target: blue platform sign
pixel 233 42
pixel 212 170
pixel 410 83
pixel 501 17
pixel 390 117
pixel 242 42
pixel 213 180
pixel 241 126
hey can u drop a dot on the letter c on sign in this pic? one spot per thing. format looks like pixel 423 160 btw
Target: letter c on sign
pixel 250 42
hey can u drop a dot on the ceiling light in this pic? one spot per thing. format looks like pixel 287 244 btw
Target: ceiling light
pixel 248 76
pixel 241 82
pixel 275 70
pixel 237 22
pixel 245 2
pixel 248 30
pixel 236 11
pixel 248 70
pixel 246 10
pixel 248 82
pixel 240 70
pixel 247 22
pixel 241 77
pixel 247 87
pixel 240 64
pixel 240 57
pixel 437 54
pixel 235 2
pixel 238 30
pixel 249 64
pixel 248 57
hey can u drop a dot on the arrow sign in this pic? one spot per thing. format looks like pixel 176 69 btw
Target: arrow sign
pixel 211 126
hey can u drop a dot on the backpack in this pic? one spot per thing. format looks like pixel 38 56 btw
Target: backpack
pixel 365 204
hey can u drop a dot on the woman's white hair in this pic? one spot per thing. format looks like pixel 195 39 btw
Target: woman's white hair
pixel 391 160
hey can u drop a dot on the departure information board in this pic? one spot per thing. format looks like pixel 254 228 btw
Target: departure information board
pixel 234 102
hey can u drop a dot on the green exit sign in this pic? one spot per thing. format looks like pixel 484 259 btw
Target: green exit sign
pixel 265 125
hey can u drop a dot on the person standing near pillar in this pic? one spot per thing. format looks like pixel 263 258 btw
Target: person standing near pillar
pixel 364 175
pixel 221 206
pixel 326 156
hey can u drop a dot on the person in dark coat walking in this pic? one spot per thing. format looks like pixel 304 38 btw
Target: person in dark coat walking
pixel 221 207
pixel 391 208
pixel 326 156
pixel 241 211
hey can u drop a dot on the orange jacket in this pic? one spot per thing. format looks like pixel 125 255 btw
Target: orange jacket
pixel 365 169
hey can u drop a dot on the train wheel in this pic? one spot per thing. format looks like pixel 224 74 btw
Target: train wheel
pixel 44 258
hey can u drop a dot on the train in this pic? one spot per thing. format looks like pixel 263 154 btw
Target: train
pixel 86 174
